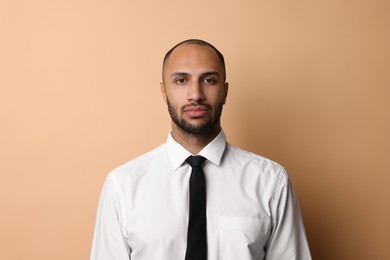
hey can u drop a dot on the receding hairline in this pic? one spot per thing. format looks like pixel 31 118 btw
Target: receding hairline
pixel 195 42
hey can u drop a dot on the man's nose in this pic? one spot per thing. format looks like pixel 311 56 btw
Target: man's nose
pixel 195 92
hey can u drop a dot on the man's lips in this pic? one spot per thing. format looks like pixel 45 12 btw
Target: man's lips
pixel 196 111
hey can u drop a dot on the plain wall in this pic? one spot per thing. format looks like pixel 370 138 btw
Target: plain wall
pixel 79 95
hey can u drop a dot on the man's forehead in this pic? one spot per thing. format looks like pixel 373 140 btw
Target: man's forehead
pixel 193 54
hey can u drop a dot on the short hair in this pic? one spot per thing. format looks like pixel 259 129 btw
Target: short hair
pixel 196 42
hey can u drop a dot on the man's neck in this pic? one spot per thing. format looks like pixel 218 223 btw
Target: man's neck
pixel 191 142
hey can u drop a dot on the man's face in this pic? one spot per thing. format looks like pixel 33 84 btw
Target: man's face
pixel 194 88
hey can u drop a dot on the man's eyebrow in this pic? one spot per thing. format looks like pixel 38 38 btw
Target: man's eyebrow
pixel 211 73
pixel 207 73
pixel 179 73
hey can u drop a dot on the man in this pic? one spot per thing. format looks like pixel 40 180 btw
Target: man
pixel 197 197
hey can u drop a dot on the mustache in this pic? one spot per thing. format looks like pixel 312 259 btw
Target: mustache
pixel 196 104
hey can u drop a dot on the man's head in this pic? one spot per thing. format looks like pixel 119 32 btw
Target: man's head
pixel 194 87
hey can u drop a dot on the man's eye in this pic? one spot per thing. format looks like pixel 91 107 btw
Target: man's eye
pixel 180 81
pixel 209 80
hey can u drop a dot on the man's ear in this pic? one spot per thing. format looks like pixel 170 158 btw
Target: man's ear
pixel 225 90
pixel 163 93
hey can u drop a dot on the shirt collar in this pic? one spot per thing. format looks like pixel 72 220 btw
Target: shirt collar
pixel 212 152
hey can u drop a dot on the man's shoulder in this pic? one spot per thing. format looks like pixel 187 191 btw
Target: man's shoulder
pixel 245 157
pixel 141 162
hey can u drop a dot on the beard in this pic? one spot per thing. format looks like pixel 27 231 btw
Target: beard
pixel 196 129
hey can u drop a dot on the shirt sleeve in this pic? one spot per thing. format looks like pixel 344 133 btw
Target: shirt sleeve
pixel 108 241
pixel 288 238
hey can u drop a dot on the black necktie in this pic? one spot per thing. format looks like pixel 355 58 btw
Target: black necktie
pixel 197 234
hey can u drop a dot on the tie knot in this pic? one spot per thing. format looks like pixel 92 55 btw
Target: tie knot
pixel 195 161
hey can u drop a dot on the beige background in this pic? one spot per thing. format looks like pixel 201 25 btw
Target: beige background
pixel 309 88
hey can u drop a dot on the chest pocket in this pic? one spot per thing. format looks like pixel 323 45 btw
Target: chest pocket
pixel 242 238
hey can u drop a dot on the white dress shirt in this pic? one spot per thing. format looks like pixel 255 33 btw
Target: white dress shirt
pixel 252 211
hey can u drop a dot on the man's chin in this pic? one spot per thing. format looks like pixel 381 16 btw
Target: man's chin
pixel 199 128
